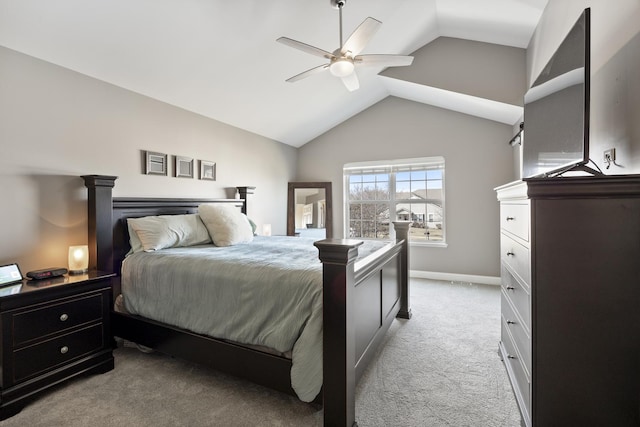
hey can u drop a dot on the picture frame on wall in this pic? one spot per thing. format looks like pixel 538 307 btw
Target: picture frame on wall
pixel 155 163
pixel 207 170
pixel 184 167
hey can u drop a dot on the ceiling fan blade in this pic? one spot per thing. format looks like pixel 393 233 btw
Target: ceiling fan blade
pixel 360 37
pixel 310 72
pixel 351 82
pixel 384 60
pixel 306 48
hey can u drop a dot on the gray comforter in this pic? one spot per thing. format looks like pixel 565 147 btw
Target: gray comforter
pixel 267 292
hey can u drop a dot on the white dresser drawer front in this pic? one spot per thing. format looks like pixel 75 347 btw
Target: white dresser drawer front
pixel 517 257
pixel 520 381
pixel 518 294
pixel 514 219
pixel 520 335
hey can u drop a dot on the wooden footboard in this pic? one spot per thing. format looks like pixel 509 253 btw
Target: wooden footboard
pixel 360 300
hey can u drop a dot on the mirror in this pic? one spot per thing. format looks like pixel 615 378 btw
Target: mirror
pixel 309 211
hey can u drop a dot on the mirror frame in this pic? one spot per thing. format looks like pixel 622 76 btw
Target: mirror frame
pixel 291 203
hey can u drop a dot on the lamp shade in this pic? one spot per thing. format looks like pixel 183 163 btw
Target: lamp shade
pixel 78 259
pixel 341 67
pixel 266 229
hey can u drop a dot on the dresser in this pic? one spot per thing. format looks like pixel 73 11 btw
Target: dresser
pixel 570 324
pixel 52 330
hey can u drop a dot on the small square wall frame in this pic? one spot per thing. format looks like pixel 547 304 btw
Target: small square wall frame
pixel 207 170
pixel 156 163
pixel 184 167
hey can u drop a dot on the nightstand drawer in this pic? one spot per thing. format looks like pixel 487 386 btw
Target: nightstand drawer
pixel 42 321
pixel 514 218
pixel 33 360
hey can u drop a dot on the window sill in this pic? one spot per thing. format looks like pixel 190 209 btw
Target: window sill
pixel 413 244
pixel 429 244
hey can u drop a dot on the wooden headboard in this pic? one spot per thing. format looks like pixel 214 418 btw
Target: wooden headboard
pixel 107 218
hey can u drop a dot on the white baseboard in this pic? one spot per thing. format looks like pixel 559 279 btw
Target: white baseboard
pixel 452 277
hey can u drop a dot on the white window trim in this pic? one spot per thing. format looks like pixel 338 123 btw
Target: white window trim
pixel 434 160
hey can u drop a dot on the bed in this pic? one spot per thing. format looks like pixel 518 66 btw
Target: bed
pixel 359 298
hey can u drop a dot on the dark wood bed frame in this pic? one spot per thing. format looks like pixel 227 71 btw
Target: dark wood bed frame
pixel 360 301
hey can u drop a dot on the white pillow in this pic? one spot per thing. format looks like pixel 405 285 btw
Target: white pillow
pixel 167 231
pixel 134 241
pixel 226 224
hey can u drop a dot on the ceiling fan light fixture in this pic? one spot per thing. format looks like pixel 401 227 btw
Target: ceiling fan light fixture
pixel 341 67
pixel 342 61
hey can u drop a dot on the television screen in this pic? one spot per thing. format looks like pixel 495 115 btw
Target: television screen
pixel 556 108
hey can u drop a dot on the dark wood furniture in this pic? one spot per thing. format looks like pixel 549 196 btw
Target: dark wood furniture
pixel 571 299
pixel 52 330
pixel 360 303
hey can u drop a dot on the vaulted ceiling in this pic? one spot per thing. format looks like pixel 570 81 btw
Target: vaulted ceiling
pixel 220 58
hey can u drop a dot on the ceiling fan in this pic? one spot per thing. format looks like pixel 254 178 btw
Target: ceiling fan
pixel 342 61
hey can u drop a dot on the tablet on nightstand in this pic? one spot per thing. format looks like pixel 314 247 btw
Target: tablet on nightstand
pixel 9 274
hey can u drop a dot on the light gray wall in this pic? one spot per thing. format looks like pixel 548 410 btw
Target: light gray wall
pixel 474 68
pixel 615 67
pixel 477 158
pixel 56 124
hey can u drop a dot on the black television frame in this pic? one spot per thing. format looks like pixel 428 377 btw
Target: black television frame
pixel 575 164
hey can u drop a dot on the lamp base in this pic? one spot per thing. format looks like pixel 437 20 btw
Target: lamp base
pixel 75 272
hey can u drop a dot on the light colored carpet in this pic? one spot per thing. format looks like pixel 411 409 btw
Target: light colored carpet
pixel 440 368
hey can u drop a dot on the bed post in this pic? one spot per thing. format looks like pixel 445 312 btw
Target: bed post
pixel 402 234
pixel 338 365
pixel 99 219
pixel 243 191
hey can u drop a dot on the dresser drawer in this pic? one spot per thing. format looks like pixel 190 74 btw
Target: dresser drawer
pixel 519 334
pixel 40 321
pixel 520 381
pixel 514 218
pixel 517 257
pixel 32 360
pixel 519 296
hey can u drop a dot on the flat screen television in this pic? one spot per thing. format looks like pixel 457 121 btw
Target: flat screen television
pixel 556 109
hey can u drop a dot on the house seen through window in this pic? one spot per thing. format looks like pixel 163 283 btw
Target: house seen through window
pixel 378 193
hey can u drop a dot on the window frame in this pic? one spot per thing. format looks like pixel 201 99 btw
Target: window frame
pixel 391 168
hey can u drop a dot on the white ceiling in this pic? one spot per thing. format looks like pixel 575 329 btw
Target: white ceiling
pixel 220 58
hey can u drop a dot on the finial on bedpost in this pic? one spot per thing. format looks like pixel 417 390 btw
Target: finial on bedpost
pixel 244 191
pixel 402 234
pixel 99 221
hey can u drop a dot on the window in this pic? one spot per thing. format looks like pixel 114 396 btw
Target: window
pixel 402 190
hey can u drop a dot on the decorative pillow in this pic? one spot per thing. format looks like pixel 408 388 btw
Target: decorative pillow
pixel 167 231
pixel 226 224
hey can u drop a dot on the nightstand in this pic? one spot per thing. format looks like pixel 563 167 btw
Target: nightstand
pixel 52 330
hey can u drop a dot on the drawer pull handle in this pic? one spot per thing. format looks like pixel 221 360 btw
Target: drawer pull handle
pixel 64 349
pixel 510 253
pixel 64 317
pixel 510 322
pixel 511 357
pixel 510 288
pixel 510 218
